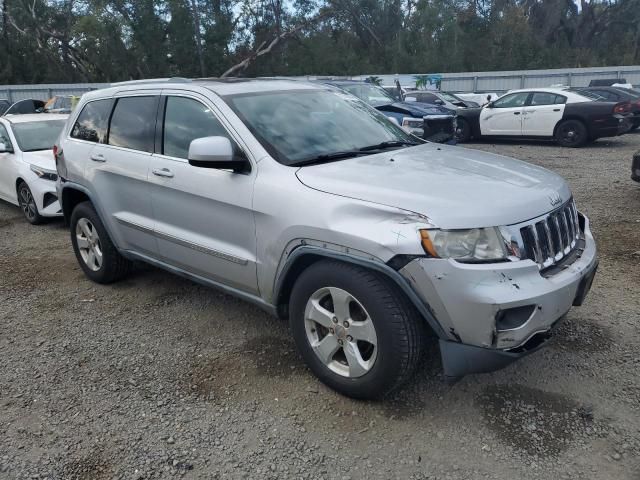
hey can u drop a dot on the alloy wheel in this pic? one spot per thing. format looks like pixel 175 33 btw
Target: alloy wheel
pixel 28 203
pixel 89 245
pixel 341 332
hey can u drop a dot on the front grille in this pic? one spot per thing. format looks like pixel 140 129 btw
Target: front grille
pixel 439 128
pixel 548 241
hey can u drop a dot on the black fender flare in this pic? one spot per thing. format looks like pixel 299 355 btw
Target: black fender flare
pixel 296 262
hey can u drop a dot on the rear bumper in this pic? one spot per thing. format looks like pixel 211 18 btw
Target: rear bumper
pixel 611 126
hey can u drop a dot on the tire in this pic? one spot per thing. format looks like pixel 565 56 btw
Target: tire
pixel 382 329
pixel 571 134
pixel 634 127
pixel 463 130
pixel 28 205
pixel 96 253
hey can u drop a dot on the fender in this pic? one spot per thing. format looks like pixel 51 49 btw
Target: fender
pixel 300 252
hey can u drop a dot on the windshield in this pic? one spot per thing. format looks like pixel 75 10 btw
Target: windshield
pixel 450 97
pixel 296 126
pixel 32 136
pixel 371 94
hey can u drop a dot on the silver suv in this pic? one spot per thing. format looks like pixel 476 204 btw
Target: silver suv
pixel 314 206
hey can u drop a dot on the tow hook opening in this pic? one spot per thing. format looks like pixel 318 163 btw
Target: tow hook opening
pixel 512 318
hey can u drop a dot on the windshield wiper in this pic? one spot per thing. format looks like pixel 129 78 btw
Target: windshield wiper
pixel 388 144
pixel 328 157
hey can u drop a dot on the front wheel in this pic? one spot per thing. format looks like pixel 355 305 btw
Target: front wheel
pixel 355 330
pixel 572 134
pixel 28 205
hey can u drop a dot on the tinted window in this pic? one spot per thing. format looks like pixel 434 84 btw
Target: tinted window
pixel 371 94
pixel 133 123
pixel 91 124
pixel 423 97
pixel 510 101
pixel 607 94
pixel 543 98
pixel 185 120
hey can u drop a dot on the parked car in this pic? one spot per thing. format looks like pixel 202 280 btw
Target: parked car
pixel 4 105
pixel 27 166
pixel 59 104
pixel 24 107
pixel 606 82
pixel 618 94
pixel 312 205
pixel 635 167
pixel 480 98
pixel 431 122
pixel 435 97
pixel 571 119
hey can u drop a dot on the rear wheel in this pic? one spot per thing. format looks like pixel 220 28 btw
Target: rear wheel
pixel 463 130
pixel 28 204
pixel 355 330
pixel 572 134
pixel 96 254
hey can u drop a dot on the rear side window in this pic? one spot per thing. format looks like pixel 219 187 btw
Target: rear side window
pixel 185 120
pixel 544 98
pixel 133 123
pixel 92 122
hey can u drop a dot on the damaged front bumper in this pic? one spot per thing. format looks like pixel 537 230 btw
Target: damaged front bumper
pixel 497 313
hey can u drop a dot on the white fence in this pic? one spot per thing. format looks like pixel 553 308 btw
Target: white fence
pixel 454 82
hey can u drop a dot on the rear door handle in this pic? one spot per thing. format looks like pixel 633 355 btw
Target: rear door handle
pixel 98 157
pixel 516 113
pixel 162 172
pixel 556 109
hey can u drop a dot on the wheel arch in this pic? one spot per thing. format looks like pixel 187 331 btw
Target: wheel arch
pixel 571 116
pixel 72 196
pixel 304 256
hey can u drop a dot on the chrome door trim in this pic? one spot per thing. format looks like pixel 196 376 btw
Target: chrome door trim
pixel 185 243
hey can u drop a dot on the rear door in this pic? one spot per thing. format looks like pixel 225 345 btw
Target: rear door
pixel 117 171
pixel 504 118
pixel 542 113
pixel 203 217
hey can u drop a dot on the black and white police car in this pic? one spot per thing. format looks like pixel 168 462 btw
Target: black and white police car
pixel 571 118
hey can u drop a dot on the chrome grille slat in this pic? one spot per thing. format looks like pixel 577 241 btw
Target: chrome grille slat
pixel 549 240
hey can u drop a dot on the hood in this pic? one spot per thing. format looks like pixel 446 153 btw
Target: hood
pixel 416 109
pixel 41 158
pixel 455 187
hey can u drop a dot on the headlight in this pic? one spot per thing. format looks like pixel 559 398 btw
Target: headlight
pixel 412 122
pixel 475 245
pixel 44 173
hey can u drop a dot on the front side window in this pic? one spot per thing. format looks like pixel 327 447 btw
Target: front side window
pixel 511 101
pixel 300 125
pixel 185 120
pixel 91 124
pixel 4 136
pixel 34 136
pixel 133 123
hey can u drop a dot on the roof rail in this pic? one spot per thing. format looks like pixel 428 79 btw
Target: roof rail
pixel 152 80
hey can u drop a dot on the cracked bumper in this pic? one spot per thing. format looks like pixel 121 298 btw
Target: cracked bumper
pixel 467 300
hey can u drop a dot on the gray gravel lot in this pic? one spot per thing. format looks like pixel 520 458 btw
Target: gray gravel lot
pixel 156 377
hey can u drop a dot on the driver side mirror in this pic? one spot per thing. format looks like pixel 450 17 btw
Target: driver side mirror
pixel 489 105
pixel 5 148
pixel 216 152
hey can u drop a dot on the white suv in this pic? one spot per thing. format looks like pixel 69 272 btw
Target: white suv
pixel 314 206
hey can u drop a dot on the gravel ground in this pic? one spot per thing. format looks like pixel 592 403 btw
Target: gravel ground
pixel 156 377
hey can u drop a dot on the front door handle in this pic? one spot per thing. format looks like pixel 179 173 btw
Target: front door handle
pixel 556 109
pixel 516 113
pixel 162 172
pixel 98 157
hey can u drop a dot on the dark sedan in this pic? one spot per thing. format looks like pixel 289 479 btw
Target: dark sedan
pixel 431 122
pixel 619 94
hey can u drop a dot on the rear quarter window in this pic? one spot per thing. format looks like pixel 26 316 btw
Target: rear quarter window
pixel 92 122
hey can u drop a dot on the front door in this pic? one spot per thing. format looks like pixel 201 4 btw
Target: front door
pixel 504 116
pixel 7 168
pixel 204 220
pixel 542 113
